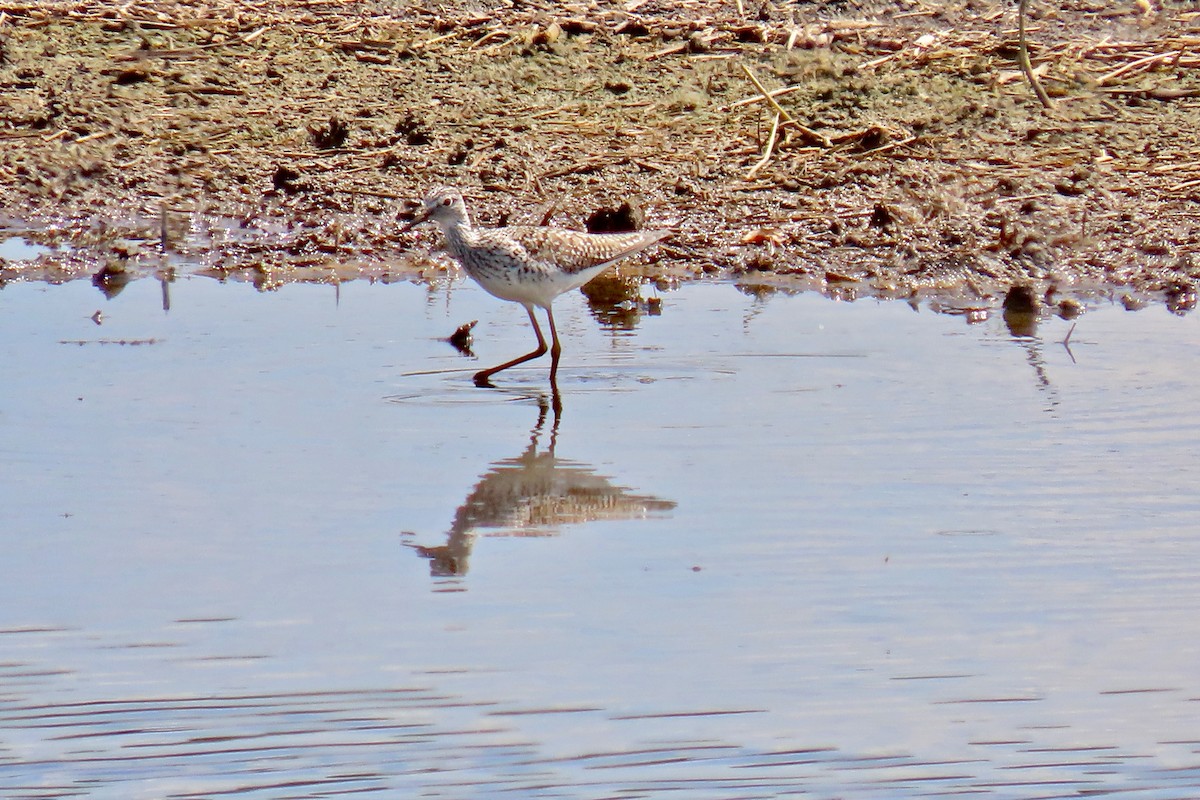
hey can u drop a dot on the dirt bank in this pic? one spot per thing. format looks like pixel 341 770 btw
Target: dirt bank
pixel 280 140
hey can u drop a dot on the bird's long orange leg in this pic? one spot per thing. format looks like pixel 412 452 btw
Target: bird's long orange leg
pixel 555 352
pixel 483 378
pixel 555 347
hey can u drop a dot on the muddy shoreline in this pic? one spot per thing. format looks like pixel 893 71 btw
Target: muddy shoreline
pixel 277 142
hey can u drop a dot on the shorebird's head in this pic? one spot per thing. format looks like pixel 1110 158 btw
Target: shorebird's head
pixel 443 205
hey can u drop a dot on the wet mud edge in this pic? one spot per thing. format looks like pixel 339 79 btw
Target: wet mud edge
pixel 906 155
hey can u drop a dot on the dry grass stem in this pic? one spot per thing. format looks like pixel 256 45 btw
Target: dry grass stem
pixel 768 149
pixel 779 110
pixel 1023 58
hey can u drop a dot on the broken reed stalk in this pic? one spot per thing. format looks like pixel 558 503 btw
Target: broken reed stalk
pixel 1023 58
pixel 767 151
pixel 809 132
pixel 1145 61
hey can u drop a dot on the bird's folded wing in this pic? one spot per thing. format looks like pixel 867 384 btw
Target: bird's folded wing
pixel 575 251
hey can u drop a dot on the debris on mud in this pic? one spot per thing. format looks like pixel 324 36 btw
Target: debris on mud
pixel 872 147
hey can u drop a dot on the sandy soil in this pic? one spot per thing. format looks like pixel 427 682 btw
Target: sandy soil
pixel 280 141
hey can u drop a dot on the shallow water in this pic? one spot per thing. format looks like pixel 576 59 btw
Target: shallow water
pixel 17 248
pixel 277 545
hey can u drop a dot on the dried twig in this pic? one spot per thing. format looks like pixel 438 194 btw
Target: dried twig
pixel 758 98
pixel 766 156
pixel 1137 64
pixel 822 139
pixel 1023 58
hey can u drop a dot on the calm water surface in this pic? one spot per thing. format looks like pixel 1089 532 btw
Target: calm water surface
pixel 277 545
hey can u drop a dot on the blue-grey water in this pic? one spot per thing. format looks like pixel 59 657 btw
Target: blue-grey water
pixel 277 545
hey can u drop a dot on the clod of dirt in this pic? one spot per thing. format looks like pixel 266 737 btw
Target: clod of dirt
pixel 330 136
pixel 460 152
pixel 287 180
pixel 575 27
pixel 414 131
pixel 1021 311
pixel 881 217
pixel 631 27
pixel 127 77
pixel 1021 300
pixel 461 339
pixel 1181 298
pixel 622 219
pixel 1069 308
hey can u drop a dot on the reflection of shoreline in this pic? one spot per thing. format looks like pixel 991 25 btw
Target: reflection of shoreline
pixel 533 494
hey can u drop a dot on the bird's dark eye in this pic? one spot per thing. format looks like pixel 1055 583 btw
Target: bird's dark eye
pixel 445 201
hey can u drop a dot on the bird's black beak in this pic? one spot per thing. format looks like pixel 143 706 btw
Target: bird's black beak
pixel 415 217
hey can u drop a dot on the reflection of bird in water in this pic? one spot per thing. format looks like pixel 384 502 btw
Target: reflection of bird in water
pixel 526 264
pixel 534 494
